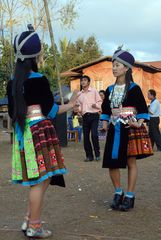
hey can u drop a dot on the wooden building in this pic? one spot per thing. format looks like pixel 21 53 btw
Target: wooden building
pixel 147 75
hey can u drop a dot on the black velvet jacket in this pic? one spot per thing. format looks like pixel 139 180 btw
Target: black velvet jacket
pixel 36 91
pixel 134 99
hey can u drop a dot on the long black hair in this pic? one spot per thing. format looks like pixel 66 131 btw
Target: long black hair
pixel 22 71
pixel 128 80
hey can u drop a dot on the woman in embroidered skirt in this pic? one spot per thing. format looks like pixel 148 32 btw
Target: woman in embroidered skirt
pixel 37 159
pixel 124 110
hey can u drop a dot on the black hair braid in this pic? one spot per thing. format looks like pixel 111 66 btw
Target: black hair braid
pixel 128 80
pixel 22 71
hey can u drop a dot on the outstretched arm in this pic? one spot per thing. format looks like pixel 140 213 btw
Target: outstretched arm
pixel 66 107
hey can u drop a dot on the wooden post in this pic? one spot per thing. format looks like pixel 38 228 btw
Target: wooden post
pixel 53 47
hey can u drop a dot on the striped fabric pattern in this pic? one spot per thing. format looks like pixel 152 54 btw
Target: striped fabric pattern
pixel 41 156
pixel 139 144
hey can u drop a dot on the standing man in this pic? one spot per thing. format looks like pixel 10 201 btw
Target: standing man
pixel 90 103
pixel 154 111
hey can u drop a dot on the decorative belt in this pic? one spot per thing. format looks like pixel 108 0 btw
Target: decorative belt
pixel 34 112
pixel 123 114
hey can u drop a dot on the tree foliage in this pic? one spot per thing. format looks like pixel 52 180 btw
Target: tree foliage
pixel 69 54
pixel 12 21
pixel 5 66
pixel 72 54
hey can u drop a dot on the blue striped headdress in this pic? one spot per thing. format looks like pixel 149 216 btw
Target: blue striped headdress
pixel 27 45
pixel 124 57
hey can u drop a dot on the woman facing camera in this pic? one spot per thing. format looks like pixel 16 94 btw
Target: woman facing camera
pixel 124 111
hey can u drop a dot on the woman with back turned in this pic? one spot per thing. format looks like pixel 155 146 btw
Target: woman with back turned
pixel 37 157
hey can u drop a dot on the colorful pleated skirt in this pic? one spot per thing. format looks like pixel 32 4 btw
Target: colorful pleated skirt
pixel 139 143
pixel 37 154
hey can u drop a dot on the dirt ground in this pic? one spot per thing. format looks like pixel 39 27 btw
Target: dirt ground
pixel 81 210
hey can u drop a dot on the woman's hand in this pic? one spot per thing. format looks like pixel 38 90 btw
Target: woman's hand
pixel 71 104
pixel 105 126
pixel 134 123
pixel 73 98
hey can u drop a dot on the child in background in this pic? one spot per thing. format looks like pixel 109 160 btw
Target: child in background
pixel 76 124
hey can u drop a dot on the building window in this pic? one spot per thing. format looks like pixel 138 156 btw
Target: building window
pixel 99 85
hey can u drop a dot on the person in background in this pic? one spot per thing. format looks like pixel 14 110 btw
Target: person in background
pixel 37 160
pixel 101 133
pixel 123 111
pixel 89 102
pixel 76 124
pixel 154 111
pixel 102 94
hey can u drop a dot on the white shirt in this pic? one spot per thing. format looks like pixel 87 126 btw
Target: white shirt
pixel 154 108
